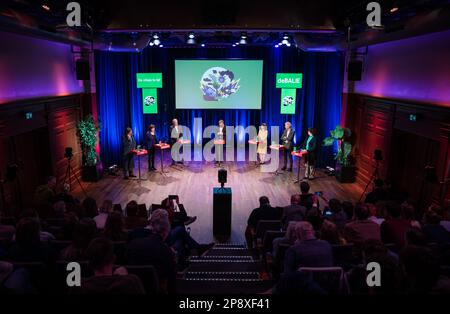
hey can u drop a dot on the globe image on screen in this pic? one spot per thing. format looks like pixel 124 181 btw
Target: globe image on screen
pixel 288 101
pixel 149 100
pixel 218 84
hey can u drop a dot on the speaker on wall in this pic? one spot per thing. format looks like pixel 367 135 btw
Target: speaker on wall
pixel 355 70
pixel 83 70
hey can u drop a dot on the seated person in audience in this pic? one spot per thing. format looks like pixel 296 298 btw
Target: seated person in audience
pixel 307 199
pixel 415 237
pixel 70 221
pixel 59 209
pixel 330 233
pixel 65 195
pixel 433 230
pixel 348 209
pixel 338 216
pixel 114 228
pixel 409 213
pixel 44 197
pixel 378 193
pixel 315 218
pixel 105 210
pixel 289 238
pixel 43 235
pixel 293 212
pixel 132 220
pixel 83 234
pixel 421 267
pixel 28 246
pixel 393 229
pixel 263 212
pixel 153 250
pixel 89 208
pixel 361 229
pixel 106 280
pixel 177 213
pixel 374 212
pixel 308 251
pixel 6 231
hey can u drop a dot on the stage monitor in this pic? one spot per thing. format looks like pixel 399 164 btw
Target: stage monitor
pixel 218 84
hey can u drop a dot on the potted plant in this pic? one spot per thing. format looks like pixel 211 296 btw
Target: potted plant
pixel 345 168
pixel 87 132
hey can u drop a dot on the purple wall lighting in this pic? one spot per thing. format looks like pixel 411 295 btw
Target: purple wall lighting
pixel 32 68
pixel 416 68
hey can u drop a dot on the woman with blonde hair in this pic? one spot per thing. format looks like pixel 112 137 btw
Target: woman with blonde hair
pixel 262 143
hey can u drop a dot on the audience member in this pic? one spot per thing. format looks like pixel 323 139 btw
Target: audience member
pixel 373 213
pixel 361 229
pixel 330 233
pixel 132 220
pixel 293 212
pixel 106 280
pixel 89 208
pixel 433 230
pixel 105 210
pixel 338 216
pixel 408 212
pixel 306 199
pixel 84 232
pixel 394 228
pixel 152 250
pixel 289 238
pixel 263 212
pixel 348 209
pixel 308 251
pixel 114 228
pixel 44 197
pixel 378 193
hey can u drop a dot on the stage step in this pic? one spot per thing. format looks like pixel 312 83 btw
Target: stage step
pixel 233 287
pixel 215 275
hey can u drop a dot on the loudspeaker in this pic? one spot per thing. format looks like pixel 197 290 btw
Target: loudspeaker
pixel 222 173
pixel 355 70
pixel 83 70
pixel 222 213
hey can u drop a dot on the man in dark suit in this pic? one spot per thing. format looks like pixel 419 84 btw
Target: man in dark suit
pixel 287 140
pixel 175 134
pixel 129 144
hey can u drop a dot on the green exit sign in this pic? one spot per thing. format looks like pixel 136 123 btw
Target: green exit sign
pixel 28 115
pixel 413 117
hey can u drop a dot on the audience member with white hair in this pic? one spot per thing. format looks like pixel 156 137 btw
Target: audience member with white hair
pixel 308 251
pixel 105 210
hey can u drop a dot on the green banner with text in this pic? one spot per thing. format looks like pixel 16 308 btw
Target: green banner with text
pixel 149 82
pixel 289 83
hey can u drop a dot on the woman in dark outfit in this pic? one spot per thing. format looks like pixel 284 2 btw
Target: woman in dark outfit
pixel 310 145
pixel 150 136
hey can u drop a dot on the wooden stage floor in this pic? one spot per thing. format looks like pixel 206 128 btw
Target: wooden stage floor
pixel 195 185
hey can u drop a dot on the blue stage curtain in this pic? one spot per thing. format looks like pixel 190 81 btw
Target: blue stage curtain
pixel 120 103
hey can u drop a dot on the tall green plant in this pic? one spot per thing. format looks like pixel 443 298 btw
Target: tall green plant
pixel 341 136
pixel 87 133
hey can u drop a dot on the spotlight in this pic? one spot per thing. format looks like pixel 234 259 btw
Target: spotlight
pixel 222 177
pixel 234 45
pixel 155 36
pixel 151 43
pixel 68 152
pixel 244 35
pixel 46 7
pixel 191 35
pixel 285 42
pixel 276 46
pixel 237 43
pixel 285 36
pixel 134 43
pixel 378 155
pixel 203 45
pixel 157 42
pixel 161 45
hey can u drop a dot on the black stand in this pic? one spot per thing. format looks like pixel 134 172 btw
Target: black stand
pixel 69 172
pixel 375 176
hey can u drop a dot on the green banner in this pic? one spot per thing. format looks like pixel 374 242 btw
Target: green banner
pixel 288 101
pixel 150 100
pixel 289 80
pixel 149 80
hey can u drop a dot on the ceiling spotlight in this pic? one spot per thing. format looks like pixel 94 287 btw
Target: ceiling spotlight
pixel 160 46
pixel 203 45
pixel 276 46
pixel 191 35
pixel 285 36
pixel 288 44
pixel 244 35
pixel 46 7
pixel 285 42
pixel 151 43
pixel 134 43
pixel 394 9
pixel 155 36
pixel 234 45
pixel 157 42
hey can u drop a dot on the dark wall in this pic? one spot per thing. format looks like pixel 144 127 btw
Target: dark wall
pixel 37 145
pixel 408 146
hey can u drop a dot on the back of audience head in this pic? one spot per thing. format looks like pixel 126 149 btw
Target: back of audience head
pixel 90 208
pixel 304 187
pixel 28 232
pixel 114 225
pixel 361 211
pixel 84 232
pixel 431 217
pixel 335 205
pixel 304 231
pixel 159 223
pixel 407 211
pixel 348 209
pixel 330 233
pixel 295 199
pixel 393 209
pixel 59 208
pixel 106 207
pixel 100 254
pixel 314 217
pixel 131 209
pixel 415 237
pixel 264 201
pixel 291 235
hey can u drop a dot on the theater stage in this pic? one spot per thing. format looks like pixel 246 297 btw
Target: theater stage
pixel 194 184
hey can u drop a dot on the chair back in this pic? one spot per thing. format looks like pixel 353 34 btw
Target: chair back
pixel 148 276
pixel 267 225
pixel 331 279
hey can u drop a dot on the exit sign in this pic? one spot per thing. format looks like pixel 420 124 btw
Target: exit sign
pixel 413 117
pixel 28 115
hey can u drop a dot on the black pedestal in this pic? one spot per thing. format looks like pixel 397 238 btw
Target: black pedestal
pixel 222 213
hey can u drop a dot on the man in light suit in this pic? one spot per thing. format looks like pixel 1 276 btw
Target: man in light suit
pixel 287 140
pixel 175 134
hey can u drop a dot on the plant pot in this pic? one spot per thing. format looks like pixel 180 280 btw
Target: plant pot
pixel 92 173
pixel 345 174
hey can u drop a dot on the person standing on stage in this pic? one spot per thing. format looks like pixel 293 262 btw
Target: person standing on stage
pixel 175 134
pixel 287 140
pixel 129 144
pixel 150 136
pixel 262 143
pixel 310 146
pixel 221 135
